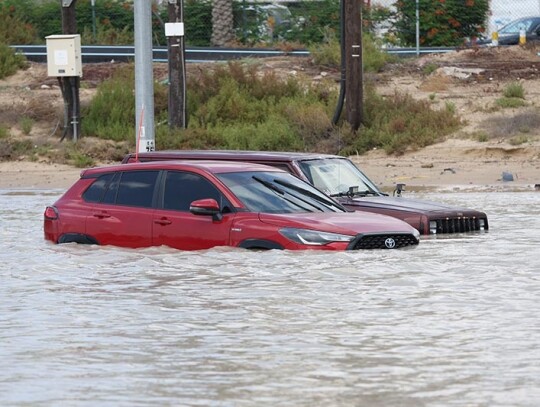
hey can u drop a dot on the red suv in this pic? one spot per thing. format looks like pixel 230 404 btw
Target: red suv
pixel 340 178
pixel 199 205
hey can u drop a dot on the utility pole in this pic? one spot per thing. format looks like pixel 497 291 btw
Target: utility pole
pixel 144 77
pixel 354 93
pixel 174 30
pixel 70 85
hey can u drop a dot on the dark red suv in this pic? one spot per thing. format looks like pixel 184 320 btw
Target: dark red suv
pixel 199 205
pixel 340 178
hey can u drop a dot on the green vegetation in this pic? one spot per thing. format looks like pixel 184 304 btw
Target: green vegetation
pixel 26 124
pixel 10 62
pixel 236 106
pixel 514 90
pixel 328 53
pixel 400 123
pixel 442 22
pixel 518 140
pixel 509 103
pixel 4 132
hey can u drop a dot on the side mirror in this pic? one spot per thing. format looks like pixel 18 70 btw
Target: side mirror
pixel 206 207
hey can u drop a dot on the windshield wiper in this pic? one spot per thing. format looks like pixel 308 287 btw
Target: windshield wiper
pixel 277 189
pixel 327 202
pixel 351 193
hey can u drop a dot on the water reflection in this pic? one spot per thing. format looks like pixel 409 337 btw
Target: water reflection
pixel 452 322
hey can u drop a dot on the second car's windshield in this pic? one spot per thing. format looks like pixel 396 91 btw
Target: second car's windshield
pixel 277 192
pixel 515 26
pixel 335 176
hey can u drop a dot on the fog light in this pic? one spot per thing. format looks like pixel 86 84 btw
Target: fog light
pixel 433 227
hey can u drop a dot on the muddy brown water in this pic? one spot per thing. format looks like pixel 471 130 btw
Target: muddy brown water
pixel 453 322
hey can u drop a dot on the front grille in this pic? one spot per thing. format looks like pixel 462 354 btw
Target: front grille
pixel 460 224
pixel 383 241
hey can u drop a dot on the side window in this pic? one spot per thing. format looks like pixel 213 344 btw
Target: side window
pixel 136 188
pixel 110 195
pixel 182 188
pixel 95 192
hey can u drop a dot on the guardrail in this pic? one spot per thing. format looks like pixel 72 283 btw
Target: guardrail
pixel 100 53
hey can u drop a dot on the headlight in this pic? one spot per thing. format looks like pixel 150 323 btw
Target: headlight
pixel 482 224
pixel 416 233
pixel 313 237
pixel 433 227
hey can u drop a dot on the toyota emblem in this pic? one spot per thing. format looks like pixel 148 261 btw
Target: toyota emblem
pixel 390 243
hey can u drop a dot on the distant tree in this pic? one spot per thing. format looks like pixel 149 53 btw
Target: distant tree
pixel 442 22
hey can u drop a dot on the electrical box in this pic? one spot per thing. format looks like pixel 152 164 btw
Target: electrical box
pixel 64 55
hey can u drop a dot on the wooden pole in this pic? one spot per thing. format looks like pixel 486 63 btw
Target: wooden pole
pixel 177 69
pixel 354 94
pixel 70 86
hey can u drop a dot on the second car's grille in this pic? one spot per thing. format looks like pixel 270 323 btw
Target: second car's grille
pixel 460 224
pixel 383 241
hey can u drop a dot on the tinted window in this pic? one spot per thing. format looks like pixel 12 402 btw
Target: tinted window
pixel 96 190
pixel 136 188
pixel 110 195
pixel 182 188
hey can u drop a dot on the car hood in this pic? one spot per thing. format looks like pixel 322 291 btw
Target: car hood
pixel 405 204
pixel 349 223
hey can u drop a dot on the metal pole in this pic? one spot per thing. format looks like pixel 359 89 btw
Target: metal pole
pixel 144 77
pixel 93 4
pixel 417 28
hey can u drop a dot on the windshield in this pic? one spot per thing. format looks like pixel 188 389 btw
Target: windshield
pixel 276 192
pixel 515 26
pixel 334 176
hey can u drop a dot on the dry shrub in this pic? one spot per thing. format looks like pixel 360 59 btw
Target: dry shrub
pixel 436 83
pixel 507 127
pixel 42 107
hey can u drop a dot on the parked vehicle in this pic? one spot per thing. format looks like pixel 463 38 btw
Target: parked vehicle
pixel 509 33
pixel 340 178
pixel 199 205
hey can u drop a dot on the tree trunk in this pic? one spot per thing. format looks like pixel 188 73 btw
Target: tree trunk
pixel 222 23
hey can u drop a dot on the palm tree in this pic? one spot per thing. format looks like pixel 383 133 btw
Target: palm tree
pixel 222 23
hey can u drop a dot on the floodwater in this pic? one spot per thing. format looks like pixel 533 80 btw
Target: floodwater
pixel 452 322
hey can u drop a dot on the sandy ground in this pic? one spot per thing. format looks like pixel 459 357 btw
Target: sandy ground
pixel 470 80
pixel 452 165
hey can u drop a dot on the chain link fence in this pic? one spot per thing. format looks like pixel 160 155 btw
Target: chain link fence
pixel 282 23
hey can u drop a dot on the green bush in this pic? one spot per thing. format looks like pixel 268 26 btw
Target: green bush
pixel 400 123
pixel 10 61
pixel 234 106
pixel 514 90
pixel 442 23
pixel 13 28
pixel 329 53
pixel 26 124
pixel 111 114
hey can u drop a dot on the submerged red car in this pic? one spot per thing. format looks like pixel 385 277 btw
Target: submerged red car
pixel 203 204
pixel 340 178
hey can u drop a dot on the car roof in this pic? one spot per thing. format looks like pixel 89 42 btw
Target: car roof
pixel 279 156
pixel 215 167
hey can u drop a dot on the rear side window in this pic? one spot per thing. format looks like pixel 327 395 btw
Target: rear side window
pixel 182 188
pixel 95 192
pixel 136 188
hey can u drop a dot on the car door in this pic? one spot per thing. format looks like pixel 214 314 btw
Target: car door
pixel 175 226
pixel 123 216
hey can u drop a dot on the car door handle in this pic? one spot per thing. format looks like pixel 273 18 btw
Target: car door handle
pixel 163 221
pixel 101 215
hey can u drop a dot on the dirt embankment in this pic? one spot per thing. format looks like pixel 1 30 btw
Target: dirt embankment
pixel 496 148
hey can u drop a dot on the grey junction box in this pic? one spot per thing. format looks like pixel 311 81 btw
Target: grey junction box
pixel 64 55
